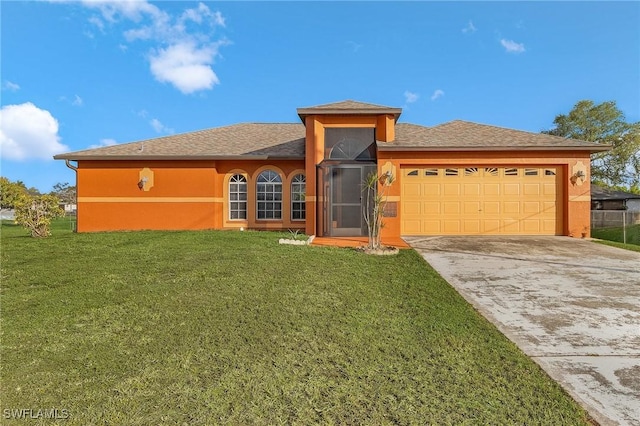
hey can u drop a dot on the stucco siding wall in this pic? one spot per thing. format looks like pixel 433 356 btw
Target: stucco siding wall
pixel 175 195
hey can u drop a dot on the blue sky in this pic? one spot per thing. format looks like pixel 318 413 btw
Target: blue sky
pixel 81 74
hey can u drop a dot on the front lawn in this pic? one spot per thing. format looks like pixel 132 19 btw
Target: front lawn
pixel 230 327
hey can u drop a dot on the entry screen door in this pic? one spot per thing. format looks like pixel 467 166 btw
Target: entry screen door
pixel 346 201
pixel 346 217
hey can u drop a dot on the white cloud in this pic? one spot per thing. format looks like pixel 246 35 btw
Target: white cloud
pixel 104 142
pixel 511 46
pixel 437 94
pixel 186 66
pixel 200 14
pixel 77 101
pixel 218 19
pixel 469 29
pixel 159 127
pixel 184 46
pixel 410 97
pixel 354 46
pixel 8 85
pixel 133 10
pixel 97 22
pixel 28 132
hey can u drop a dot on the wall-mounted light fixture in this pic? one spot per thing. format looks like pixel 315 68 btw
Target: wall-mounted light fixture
pixel 578 177
pixel 141 183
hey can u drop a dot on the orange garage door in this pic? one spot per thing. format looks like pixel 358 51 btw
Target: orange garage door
pixel 481 201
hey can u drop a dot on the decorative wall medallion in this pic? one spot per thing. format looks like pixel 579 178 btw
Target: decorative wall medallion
pixel 145 179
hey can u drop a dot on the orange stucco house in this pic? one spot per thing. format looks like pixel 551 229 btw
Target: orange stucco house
pixel 457 178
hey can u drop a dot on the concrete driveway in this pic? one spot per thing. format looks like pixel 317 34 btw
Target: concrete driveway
pixel 571 305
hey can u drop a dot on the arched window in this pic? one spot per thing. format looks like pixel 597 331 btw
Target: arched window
pixel 298 191
pixel 269 195
pixel 238 197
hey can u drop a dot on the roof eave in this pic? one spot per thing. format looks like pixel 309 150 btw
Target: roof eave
pixel 591 149
pixel 174 157
pixel 305 112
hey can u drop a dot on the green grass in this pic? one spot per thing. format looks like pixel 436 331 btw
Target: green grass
pixel 631 247
pixel 616 234
pixel 230 327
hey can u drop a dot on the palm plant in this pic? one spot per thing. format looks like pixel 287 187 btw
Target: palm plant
pixel 375 189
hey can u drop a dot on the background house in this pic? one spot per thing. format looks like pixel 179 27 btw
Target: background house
pixel 611 208
pixel 609 199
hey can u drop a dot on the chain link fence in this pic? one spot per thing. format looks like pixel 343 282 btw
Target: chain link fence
pixel 622 226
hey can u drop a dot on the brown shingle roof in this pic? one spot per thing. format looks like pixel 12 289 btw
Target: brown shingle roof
pixel 599 193
pixel 464 135
pixel 348 107
pixel 246 140
pixel 286 141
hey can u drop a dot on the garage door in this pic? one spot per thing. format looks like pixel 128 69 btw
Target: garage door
pixel 481 200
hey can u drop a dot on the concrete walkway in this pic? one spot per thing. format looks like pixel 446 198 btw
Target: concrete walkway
pixel 572 305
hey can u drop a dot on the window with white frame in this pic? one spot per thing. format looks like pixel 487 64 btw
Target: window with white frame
pixel 298 191
pixel 238 197
pixel 269 195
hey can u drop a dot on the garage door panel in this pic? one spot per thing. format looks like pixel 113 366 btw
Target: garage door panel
pixel 451 226
pixel 511 189
pixel 471 207
pixel 531 226
pixel 431 207
pixel 549 189
pixel 471 227
pixel 411 190
pixel 431 227
pixel 511 207
pixel 412 208
pixel 531 189
pixel 431 189
pixel 549 226
pixel 511 226
pixel 491 207
pixel 467 200
pixel 451 189
pixel 491 189
pixel 491 226
pixel 412 227
pixel 471 189
pixel 531 207
pixel 451 207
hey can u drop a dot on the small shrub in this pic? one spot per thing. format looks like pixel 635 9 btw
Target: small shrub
pixel 35 213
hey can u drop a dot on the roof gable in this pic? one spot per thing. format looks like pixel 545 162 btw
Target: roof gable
pixel 349 107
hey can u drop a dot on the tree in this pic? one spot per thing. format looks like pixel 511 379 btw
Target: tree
pixel 65 192
pixel 10 192
pixel 35 213
pixel 605 123
pixel 374 187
